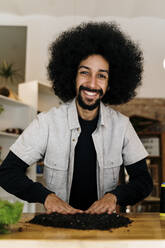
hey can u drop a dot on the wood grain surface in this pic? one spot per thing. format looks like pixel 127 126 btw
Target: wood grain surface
pixel 147 229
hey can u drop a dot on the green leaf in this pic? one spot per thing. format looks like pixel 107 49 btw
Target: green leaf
pixel 8 71
pixel 10 213
pixel 4 229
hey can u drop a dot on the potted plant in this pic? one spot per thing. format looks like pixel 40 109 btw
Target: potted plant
pixel 10 213
pixel 8 74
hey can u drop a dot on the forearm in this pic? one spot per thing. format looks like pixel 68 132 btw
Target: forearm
pixel 14 180
pixel 139 186
pixel 34 193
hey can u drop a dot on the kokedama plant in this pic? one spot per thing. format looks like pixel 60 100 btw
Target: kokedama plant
pixel 8 72
pixel 10 213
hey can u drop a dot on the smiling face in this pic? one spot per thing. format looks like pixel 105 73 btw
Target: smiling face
pixel 91 81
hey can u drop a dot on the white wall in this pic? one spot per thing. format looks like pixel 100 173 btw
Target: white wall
pixel 149 32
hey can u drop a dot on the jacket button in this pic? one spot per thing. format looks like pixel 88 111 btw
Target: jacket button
pixel 73 139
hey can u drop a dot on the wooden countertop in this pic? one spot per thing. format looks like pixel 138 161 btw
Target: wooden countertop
pixel 147 229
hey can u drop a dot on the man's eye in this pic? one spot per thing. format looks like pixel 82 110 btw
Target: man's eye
pixel 83 72
pixel 101 76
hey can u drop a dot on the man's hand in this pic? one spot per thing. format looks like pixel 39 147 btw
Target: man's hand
pixel 107 204
pixel 54 204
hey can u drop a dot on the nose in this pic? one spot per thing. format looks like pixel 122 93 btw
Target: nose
pixel 93 82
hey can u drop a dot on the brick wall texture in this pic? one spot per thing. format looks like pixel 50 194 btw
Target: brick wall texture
pixel 153 108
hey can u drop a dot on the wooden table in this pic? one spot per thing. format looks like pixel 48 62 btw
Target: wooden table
pixel 147 231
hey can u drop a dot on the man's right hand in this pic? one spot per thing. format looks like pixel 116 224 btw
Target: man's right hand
pixel 54 204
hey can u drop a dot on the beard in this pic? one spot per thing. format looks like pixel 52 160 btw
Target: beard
pixel 89 106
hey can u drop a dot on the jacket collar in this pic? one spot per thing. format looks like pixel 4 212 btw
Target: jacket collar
pixel 73 115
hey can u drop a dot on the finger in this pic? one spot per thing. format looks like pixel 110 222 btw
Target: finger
pixel 48 211
pixel 95 208
pixel 111 210
pixel 71 210
pixel 79 211
pixel 76 211
pixel 99 210
pixel 62 211
pixel 90 209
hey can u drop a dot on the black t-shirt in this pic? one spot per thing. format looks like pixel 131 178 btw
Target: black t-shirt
pixel 84 187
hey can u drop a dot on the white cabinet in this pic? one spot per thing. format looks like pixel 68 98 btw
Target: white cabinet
pixel 16 114
pixel 39 95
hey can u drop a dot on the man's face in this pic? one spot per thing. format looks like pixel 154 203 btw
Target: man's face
pixel 91 81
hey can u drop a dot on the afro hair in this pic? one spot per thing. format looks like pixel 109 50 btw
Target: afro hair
pixel 123 55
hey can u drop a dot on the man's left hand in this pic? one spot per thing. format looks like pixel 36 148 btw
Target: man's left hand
pixel 107 204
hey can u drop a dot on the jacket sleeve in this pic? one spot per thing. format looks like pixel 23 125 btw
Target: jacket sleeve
pixel 133 150
pixel 140 185
pixel 31 144
pixel 14 180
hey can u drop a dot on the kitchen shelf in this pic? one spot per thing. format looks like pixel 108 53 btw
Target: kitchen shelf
pixel 16 114
pixel 39 95
pixel 9 134
pixel 10 101
pixel 152 198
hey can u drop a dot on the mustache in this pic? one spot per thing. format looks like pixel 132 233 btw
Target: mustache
pixel 100 91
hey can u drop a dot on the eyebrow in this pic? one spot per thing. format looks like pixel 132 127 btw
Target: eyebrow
pixel 86 67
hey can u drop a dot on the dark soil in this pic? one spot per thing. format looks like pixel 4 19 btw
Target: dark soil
pixel 82 221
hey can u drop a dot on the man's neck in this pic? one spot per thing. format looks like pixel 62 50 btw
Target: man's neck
pixel 85 113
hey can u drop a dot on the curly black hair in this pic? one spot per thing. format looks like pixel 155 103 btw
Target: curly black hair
pixel 123 55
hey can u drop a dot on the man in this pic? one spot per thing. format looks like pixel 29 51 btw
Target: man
pixel 84 142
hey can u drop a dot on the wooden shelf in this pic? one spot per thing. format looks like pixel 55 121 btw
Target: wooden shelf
pixel 152 199
pixel 147 133
pixel 16 114
pixel 39 95
pixel 9 101
pixel 9 134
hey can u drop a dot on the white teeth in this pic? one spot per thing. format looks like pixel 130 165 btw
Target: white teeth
pixel 90 93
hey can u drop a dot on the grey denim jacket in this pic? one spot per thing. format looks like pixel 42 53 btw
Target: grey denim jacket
pixel 53 136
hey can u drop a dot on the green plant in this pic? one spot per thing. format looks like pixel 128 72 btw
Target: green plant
pixel 1 108
pixel 8 72
pixel 10 213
